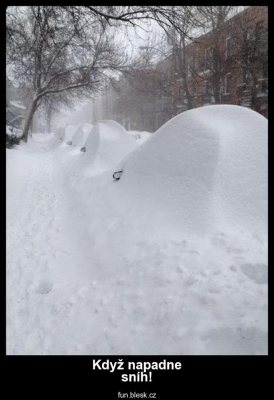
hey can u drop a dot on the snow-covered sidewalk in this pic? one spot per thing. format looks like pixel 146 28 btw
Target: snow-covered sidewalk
pixel 76 283
pixel 40 250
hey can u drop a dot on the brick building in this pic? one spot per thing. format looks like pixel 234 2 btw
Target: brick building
pixel 226 65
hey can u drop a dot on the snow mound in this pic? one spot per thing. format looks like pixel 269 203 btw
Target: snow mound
pixel 140 136
pixel 204 169
pixel 80 136
pixel 107 144
pixel 69 132
pixel 86 276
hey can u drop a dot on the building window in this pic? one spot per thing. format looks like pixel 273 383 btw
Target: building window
pixel 208 88
pixel 228 83
pixel 228 51
pixel 260 30
pixel 208 93
pixel 246 79
pixel 265 78
pixel 181 94
pixel 265 86
pixel 165 101
pixel 208 58
pixel 265 71
pixel 247 33
pixel 190 68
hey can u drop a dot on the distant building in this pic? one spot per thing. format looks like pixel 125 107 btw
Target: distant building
pixel 227 65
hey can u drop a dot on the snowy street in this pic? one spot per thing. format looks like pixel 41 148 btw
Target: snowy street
pixel 87 275
pixel 137 183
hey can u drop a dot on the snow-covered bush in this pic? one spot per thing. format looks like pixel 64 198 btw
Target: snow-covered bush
pixel 13 136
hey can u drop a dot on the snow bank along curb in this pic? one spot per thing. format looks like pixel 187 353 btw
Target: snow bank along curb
pixel 206 168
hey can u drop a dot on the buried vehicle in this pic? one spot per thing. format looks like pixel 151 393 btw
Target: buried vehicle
pixel 107 144
pixel 204 169
pixel 69 133
pixel 80 136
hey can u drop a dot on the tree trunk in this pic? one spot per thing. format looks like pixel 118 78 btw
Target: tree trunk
pixel 183 67
pixel 49 114
pixel 48 125
pixel 29 121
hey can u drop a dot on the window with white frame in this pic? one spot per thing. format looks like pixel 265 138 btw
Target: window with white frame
pixel 260 30
pixel 228 51
pixel 190 67
pixel 181 94
pixel 228 83
pixel 208 88
pixel 247 33
pixel 265 78
pixel 165 101
pixel 208 58
pixel 246 78
pixel 208 93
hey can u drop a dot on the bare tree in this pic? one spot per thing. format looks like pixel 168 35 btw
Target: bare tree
pixel 53 51
pixel 52 105
pixel 180 61
pixel 217 61
pixel 140 98
pixel 252 44
pixel 132 16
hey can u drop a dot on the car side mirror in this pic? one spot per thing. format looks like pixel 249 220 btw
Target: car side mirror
pixel 117 175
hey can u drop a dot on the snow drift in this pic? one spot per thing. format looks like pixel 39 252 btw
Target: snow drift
pixel 204 169
pixel 140 136
pixel 69 132
pixel 80 136
pixel 107 144
pixel 85 276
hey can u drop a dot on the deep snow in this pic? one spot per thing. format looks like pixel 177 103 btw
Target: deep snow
pixel 107 144
pixel 81 134
pixel 208 170
pixel 69 132
pixel 94 266
pixel 140 136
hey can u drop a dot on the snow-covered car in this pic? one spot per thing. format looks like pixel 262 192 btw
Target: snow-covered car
pixel 107 144
pixel 205 167
pixel 80 136
pixel 69 133
pixel 140 136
